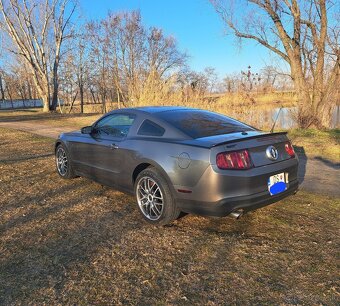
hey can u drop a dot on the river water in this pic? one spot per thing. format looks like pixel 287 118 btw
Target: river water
pixel 264 118
pixel 286 117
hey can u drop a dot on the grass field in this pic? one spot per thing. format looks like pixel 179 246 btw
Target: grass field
pixel 76 242
pixel 314 143
pixel 52 119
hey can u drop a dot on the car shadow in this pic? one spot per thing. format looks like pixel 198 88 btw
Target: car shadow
pixel 14 160
pixel 328 162
pixel 301 153
pixel 44 211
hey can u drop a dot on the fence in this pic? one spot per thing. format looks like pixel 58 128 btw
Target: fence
pixel 15 104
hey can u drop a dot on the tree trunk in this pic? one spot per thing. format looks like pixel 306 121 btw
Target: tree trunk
pixel 81 91
pixel 46 103
pixel 54 103
pixel 93 96
pixel 306 115
pixel 2 91
pixel 55 88
pixel 118 99
pixel 29 90
pixel 72 103
pixel 104 103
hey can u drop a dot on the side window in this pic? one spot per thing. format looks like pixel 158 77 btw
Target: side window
pixel 149 128
pixel 116 125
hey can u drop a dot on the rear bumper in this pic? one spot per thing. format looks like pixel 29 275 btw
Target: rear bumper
pixel 225 206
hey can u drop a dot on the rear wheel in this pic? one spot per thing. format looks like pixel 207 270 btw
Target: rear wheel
pixel 154 198
pixel 63 163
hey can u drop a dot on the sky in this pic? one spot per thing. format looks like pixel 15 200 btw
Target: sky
pixel 198 30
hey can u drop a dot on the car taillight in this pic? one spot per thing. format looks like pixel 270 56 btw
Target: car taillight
pixel 234 160
pixel 289 149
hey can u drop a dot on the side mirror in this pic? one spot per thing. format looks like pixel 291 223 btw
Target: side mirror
pixel 86 130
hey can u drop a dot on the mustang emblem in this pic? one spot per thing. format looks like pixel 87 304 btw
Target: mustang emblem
pixel 272 153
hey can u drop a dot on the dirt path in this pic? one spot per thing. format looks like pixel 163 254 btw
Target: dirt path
pixel 315 175
pixel 36 128
pixel 319 176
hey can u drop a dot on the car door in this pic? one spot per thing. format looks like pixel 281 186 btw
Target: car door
pixel 101 154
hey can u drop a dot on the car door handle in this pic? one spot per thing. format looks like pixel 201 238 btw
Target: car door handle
pixel 113 146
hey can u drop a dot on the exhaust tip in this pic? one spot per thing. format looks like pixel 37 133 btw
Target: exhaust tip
pixel 237 214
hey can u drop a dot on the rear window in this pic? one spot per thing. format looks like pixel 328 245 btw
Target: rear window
pixel 150 128
pixel 199 123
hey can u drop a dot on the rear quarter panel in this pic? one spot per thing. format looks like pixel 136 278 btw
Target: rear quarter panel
pixel 183 164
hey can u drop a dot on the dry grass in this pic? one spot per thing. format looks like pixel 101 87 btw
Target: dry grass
pixel 162 94
pixel 222 103
pixel 315 143
pixel 50 119
pixel 75 242
pixel 253 99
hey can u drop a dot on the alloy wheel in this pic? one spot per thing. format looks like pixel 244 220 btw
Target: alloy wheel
pixel 62 161
pixel 150 198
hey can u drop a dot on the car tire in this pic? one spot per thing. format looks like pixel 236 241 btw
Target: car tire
pixel 63 162
pixel 154 198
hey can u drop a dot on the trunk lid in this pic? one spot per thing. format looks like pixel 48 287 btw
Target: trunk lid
pixel 255 142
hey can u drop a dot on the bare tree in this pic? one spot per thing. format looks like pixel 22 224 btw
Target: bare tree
pixel 132 61
pixel 275 79
pixel 301 33
pixel 162 53
pixel 37 30
pixel 2 86
pixel 99 78
pixel 249 79
pixel 81 72
pixel 270 76
pixel 76 67
pixel 229 83
pixel 126 38
pixel 16 82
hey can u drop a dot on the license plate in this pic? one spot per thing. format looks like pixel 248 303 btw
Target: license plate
pixel 277 183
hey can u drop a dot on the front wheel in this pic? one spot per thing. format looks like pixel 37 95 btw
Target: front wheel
pixel 63 163
pixel 154 198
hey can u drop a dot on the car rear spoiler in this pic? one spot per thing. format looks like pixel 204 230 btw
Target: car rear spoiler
pixel 249 138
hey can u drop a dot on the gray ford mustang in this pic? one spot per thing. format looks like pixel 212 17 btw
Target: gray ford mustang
pixel 176 159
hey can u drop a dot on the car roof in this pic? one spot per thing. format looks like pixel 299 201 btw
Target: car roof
pixel 159 109
pixel 154 110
